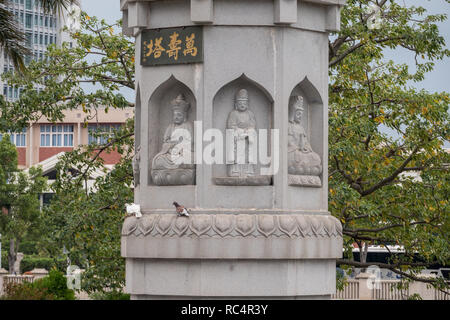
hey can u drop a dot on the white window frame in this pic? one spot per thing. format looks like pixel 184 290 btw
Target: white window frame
pixel 104 129
pixel 19 139
pixel 56 135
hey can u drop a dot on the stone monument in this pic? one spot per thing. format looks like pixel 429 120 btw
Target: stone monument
pixel 259 226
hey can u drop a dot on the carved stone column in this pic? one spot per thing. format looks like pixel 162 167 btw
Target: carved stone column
pixel 250 234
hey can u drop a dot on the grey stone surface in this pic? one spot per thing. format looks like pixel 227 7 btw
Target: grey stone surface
pixel 136 164
pixel 304 180
pixel 228 236
pixel 285 11
pixel 241 228
pixel 202 11
pixel 244 181
pixel 194 278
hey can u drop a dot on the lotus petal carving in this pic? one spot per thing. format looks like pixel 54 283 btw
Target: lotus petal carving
pixel 129 225
pixel 329 227
pixel 200 223
pixel 304 225
pixel 147 222
pixel 164 223
pixel 223 224
pixel 338 226
pixel 287 224
pixel 245 224
pixel 317 225
pixel 266 224
pixel 181 225
pixel 262 225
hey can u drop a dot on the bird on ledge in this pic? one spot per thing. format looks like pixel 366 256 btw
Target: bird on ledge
pixel 181 210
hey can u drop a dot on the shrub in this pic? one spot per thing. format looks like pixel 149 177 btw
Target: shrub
pixel 25 291
pixel 29 263
pixel 56 284
pixel 28 247
pixel 4 260
pixel 113 295
pixel 52 287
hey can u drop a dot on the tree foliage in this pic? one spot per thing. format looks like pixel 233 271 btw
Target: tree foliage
pixel 387 175
pixel 19 199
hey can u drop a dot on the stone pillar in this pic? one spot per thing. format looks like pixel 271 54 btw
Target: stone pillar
pixel 366 285
pixel 250 233
pixel 19 259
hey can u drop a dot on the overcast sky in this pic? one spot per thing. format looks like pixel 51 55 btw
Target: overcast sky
pixel 438 80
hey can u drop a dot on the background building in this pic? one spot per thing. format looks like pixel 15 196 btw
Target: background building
pixel 43 140
pixel 41 30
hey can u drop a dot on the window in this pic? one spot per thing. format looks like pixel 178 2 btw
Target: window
pixel 46 198
pixel 36 20
pixel 28 20
pixel 19 139
pixel 35 38
pixel 46 21
pixel 29 38
pixel 41 21
pixel 28 5
pixel 46 39
pixel 56 135
pixel 41 39
pixel 99 133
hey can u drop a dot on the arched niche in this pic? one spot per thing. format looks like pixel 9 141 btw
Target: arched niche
pixel 260 103
pixel 312 122
pixel 137 119
pixel 160 114
pixel 137 138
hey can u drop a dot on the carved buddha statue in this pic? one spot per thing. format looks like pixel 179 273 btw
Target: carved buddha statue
pixel 242 122
pixel 302 160
pixel 173 165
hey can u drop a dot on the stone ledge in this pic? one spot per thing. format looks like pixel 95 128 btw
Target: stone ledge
pixel 234 279
pixel 233 225
pixel 124 3
pixel 226 236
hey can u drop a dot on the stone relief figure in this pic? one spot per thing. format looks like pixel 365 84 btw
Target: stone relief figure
pixel 136 163
pixel 173 165
pixel 243 123
pixel 304 165
pixel 241 145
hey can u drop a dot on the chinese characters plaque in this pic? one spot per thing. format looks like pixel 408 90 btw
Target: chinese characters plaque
pixel 172 46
